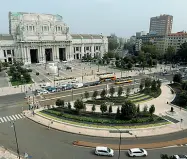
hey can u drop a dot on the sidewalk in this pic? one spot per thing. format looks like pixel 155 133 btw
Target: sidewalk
pixel 6 154
pixel 161 109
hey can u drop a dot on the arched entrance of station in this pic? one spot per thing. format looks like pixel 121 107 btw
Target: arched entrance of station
pixel 34 55
pixel 48 54
pixel 62 54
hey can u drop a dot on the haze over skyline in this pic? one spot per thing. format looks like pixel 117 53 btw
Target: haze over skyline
pixel 122 17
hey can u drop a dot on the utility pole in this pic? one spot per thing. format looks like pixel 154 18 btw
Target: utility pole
pixel 16 140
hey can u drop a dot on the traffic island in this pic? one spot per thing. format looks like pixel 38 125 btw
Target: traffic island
pixel 126 147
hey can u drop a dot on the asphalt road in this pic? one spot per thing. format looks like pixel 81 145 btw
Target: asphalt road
pixel 42 143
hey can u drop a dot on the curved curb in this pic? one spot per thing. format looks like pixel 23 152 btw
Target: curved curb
pixel 126 147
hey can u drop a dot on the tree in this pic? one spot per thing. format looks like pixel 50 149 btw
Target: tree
pixel 129 65
pixel 86 94
pixel 78 105
pixel 138 109
pixel 145 109
pixel 120 91
pixel 147 82
pixel 69 105
pixel 103 93
pixel 103 108
pixel 150 62
pixel 158 83
pixel 181 53
pixel 110 109
pixel 170 53
pixel 154 85
pixel 93 108
pixel 112 42
pixel 95 94
pixel 84 107
pixel 128 92
pixel 27 77
pixel 128 110
pixel 112 91
pixel 152 110
pixel 0 66
pixel 183 98
pixel 141 86
pixel 177 78
pixel 118 113
pixel 165 156
pixel 60 102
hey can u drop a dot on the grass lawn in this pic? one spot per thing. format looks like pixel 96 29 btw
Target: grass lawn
pixel 17 83
pixel 138 97
pixel 101 126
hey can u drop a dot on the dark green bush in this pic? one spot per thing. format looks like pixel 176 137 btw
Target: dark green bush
pixel 143 119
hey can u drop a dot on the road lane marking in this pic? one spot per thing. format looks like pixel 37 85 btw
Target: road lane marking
pixel 4 119
pixel 20 116
pixel 14 117
pixel 11 118
pixel 17 116
pixel 7 118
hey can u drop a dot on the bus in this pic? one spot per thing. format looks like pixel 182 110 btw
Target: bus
pixel 124 80
pixel 107 77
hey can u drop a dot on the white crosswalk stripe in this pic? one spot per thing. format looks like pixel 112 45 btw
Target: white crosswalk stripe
pixel 20 116
pixel 14 117
pixel 4 119
pixel 11 118
pixel 17 116
pixel 7 118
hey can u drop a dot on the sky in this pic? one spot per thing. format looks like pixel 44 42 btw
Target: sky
pixel 122 17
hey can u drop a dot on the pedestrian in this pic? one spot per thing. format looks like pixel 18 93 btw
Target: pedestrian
pixel 33 113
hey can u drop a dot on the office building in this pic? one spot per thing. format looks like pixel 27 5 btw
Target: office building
pixel 161 25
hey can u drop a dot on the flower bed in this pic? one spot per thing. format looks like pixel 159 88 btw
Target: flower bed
pixel 142 120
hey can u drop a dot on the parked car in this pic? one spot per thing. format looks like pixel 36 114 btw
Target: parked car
pixel 51 89
pixel 104 151
pixel 69 86
pixel 77 85
pixel 69 68
pixel 180 156
pixel 137 152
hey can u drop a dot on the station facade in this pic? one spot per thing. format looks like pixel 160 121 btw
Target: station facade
pixel 37 38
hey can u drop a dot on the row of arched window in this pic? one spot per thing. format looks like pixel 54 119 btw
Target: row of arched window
pixel 44 28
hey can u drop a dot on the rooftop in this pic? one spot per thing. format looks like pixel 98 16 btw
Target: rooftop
pixel 86 36
pixel 6 37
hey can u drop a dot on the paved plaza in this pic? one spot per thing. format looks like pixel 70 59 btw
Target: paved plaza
pixel 6 154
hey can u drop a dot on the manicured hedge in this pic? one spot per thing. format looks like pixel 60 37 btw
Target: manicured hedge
pixel 143 120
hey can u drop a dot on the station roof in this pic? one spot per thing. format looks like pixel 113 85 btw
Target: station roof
pixel 86 36
pixel 6 37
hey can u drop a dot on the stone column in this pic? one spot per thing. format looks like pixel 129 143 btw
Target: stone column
pixel 28 54
pixel 92 50
pixel 82 50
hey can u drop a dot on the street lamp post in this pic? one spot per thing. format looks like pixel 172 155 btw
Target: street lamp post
pixel 16 140
pixel 118 130
pixel 72 94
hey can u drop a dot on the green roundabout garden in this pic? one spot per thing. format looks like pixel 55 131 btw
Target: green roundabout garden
pixel 111 108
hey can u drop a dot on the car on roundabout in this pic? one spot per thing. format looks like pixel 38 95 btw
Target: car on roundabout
pixel 180 156
pixel 104 151
pixel 137 152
